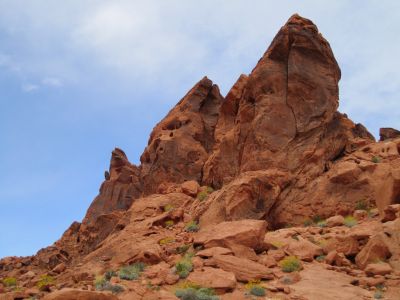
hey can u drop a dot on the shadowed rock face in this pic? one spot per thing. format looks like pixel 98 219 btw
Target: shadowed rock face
pixel 277 152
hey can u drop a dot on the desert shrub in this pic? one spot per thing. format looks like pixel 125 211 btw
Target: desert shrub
pixel 317 218
pixel 192 226
pixel 167 240
pixel 378 294
pixel 196 293
pixel 202 195
pixel 277 244
pixel 184 266
pixel 183 248
pixel 131 272
pixel 169 223
pixel 109 274
pixel 258 291
pixel 376 159
pixel 321 224
pixel 350 221
pixel 168 208
pixel 209 190
pixel 10 281
pixel 307 222
pixel 320 258
pixel 290 264
pixel 255 288
pixel 45 282
pixel 101 284
pixel 116 289
pixel 361 205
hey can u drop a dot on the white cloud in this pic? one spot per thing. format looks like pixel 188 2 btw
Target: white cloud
pixel 169 44
pixel 29 87
pixel 52 82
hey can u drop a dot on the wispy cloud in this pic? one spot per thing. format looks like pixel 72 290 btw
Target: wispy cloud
pixel 29 87
pixel 52 82
pixel 171 43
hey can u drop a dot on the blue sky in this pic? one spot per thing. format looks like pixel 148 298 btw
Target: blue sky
pixel 78 78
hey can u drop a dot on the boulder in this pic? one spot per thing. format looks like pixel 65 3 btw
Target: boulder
pixel 378 269
pixel 190 188
pixel 335 221
pixel 213 278
pixel 244 269
pixel 391 212
pixel 303 249
pixel 345 244
pixel 375 250
pixel 248 233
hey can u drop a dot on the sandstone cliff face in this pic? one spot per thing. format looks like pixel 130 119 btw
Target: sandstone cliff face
pixel 274 153
pixel 180 144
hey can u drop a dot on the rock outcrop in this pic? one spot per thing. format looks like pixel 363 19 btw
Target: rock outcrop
pixel 270 183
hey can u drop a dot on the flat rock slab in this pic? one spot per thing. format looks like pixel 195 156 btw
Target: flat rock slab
pixel 213 278
pixel 248 233
pixel 69 294
pixel 319 283
pixel 244 269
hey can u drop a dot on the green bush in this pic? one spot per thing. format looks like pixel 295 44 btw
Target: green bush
pixel 109 274
pixel 321 224
pixel 376 159
pixel 209 190
pixel 290 264
pixel 167 240
pixel 320 258
pixel 184 266
pixel 168 208
pixel 317 218
pixel 169 223
pixel 258 291
pixel 277 244
pixel 350 221
pixel 192 226
pixel 183 248
pixel 116 289
pixel 45 282
pixel 101 284
pixel 255 288
pixel 196 293
pixel 131 272
pixel 202 195
pixel 361 205
pixel 10 281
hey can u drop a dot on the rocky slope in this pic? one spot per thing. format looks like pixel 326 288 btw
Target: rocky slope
pixel 268 192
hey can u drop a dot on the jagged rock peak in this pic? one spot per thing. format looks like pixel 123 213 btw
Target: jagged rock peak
pixel 388 133
pixel 180 144
pixel 282 109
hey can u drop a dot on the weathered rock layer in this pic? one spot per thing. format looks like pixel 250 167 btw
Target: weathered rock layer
pixel 273 153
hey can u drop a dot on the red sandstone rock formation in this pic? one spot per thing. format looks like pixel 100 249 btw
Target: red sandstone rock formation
pixel 274 153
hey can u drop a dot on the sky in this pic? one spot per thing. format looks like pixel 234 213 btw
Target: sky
pixel 80 77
